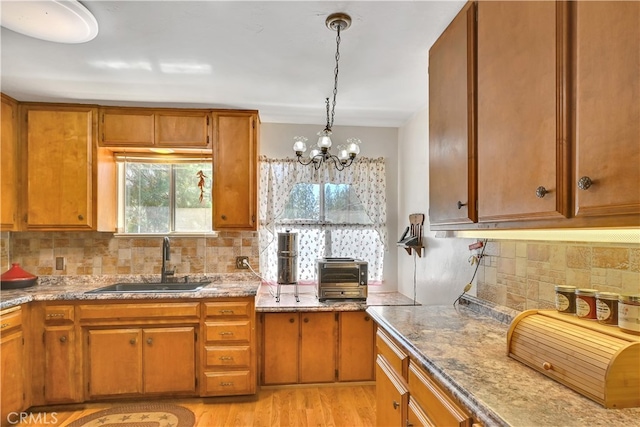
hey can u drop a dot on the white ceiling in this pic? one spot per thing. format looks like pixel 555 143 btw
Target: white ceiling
pixel 275 57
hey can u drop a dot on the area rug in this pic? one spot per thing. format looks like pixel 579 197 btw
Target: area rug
pixel 139 415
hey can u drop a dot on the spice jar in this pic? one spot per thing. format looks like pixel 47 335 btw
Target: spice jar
pixel 607 308
pixel 629 313
pixel 586 303
pixel 566 299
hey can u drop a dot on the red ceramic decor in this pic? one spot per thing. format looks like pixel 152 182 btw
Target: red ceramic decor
pixel 16 278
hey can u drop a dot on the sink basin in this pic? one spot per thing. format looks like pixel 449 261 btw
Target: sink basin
pixel 150 287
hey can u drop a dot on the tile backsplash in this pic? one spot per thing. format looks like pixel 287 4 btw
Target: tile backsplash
pixel 92 253
pixel 522 274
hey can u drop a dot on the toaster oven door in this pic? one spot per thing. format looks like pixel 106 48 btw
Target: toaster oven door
pixel 336 274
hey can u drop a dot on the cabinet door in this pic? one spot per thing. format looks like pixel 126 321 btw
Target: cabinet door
pixel 126 127
pixel 115 362
pixel 392 396
pixel 235 157
pixel 452 138
pixel 8 168
pixel 61 376
pixel 317 347
pixel 169 360
pixel 280 348
pixel 182 129
pixel 607 84
pixel 59 179
pixel 356 347
pixel 11 356
pixel 522 110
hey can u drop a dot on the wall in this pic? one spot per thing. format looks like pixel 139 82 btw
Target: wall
pixel 522 274
pixel 443 271
pixel 276 141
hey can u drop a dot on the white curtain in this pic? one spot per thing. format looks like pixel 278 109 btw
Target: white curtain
pixel 367 242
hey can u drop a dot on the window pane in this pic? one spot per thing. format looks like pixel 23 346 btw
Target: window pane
pixel 342 205
pixel 304 203
pixel 193 214
pixel 146 198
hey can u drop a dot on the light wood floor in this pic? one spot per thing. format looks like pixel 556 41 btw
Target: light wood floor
pixel 339 405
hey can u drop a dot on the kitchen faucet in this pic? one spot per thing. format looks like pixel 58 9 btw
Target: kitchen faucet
pixel 166 256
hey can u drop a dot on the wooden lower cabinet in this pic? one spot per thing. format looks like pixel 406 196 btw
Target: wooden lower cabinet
pixel 392 395
pixel 316 347
pixel 12 364
pixel 229 354
pixel 131 361
pixel 61 370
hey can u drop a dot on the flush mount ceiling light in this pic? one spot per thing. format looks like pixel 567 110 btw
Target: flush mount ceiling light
pixel 61 21
pixel 346 153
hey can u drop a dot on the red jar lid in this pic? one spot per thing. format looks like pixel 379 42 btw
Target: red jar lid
pixel 16 273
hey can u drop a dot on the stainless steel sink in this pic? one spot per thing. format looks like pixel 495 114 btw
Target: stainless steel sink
pixel 150 287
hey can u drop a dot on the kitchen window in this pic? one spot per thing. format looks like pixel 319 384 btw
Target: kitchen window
pixel 164 195
pixel 335 214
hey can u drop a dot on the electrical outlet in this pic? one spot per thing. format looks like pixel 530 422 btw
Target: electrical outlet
pixel 240 262
pixel 59 263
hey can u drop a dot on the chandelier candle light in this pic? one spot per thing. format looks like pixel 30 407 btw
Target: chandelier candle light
pixel 320 154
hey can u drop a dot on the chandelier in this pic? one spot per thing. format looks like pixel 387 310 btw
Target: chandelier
pixel 346 152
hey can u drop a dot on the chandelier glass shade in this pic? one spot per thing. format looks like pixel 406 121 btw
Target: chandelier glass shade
pixel 320 154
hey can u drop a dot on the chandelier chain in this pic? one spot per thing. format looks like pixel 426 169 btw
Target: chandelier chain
pixel 335 74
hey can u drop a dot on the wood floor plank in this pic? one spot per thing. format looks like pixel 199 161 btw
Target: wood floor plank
pixel 313 406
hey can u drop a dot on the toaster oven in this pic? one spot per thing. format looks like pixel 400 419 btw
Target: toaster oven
pixel 341 278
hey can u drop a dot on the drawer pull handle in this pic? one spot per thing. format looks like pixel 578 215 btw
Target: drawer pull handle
pixel 226 311
pixel 546 366
pixel 4 325
pixel 55 315
pixel 226 358
pixel 223 333
pixel 396 405
pixel 132 341
pixel 226 384
pixel 63 339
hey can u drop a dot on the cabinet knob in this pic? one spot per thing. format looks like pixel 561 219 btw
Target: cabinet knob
pixel 306 320
pixel 546 366
pixel 584 183
pixel 63 339
pixel 395 405
pixel 224 217
pixel 80 217
pixel 541 192
pixel 291 320
pixel 367 318
pixel 460 204
pixel 132 341
pixel 149 341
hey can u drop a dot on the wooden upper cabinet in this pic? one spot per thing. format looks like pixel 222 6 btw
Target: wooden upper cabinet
pixel 59 174
pixel 452 139
pixel 9 166
pixel 235 168
pixel 144 128
pixel 607 109
pixel 523 164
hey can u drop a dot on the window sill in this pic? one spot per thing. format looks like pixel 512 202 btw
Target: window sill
pixel 174 234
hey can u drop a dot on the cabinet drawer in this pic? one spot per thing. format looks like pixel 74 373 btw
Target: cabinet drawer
pixel 222 356
pixel 598 362
pixel 227 309
pixel 436 404
pixel 116 312
pixel 227 383
pixel 58 313
pixel 396 358
pixel 228 331
pixel 10 320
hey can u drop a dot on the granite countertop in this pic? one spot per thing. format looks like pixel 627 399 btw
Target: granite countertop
pixel 266 300
pixel 465 347
pixel 61 288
